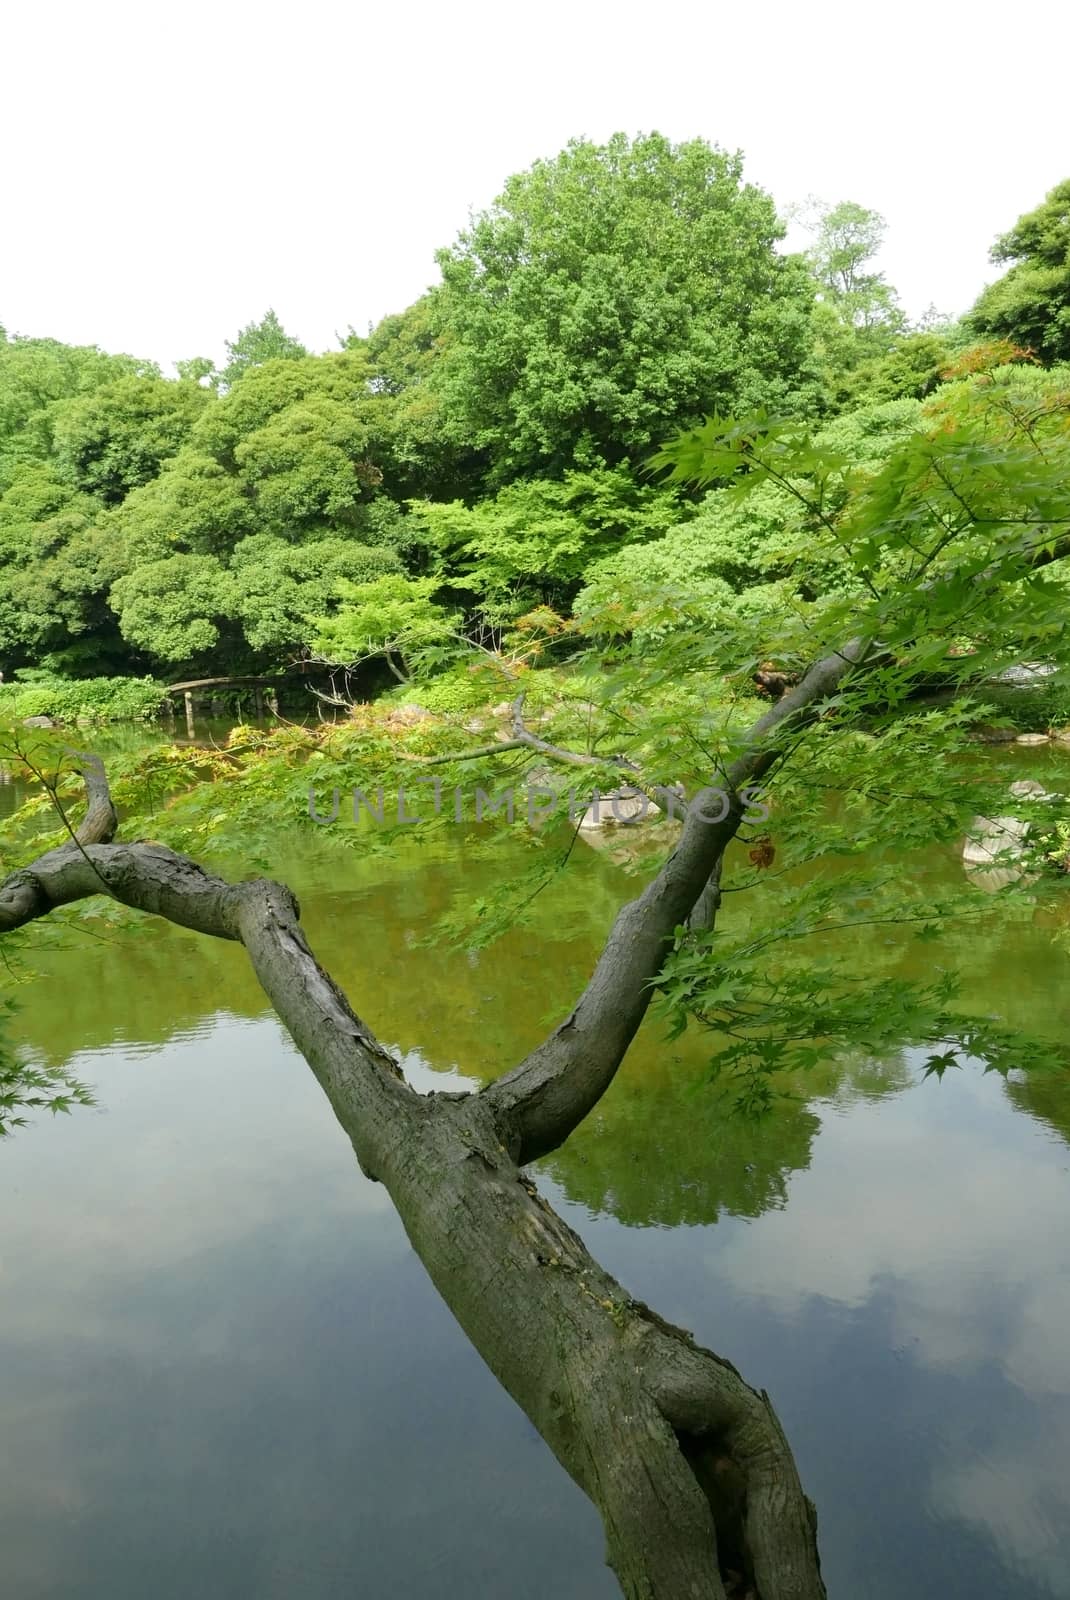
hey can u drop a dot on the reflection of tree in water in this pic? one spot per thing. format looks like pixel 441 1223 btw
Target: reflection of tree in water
pixel 661 1156
pixel 664 1149
pixel 1044 1096
pixel 138 985
pixel 142 981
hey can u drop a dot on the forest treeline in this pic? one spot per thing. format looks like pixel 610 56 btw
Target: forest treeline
pixel 483 455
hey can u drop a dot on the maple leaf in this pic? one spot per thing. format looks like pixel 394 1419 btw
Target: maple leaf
pixel 763 853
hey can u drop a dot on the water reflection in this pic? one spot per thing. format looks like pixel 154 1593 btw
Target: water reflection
pixel 223 1371
pixel 908 1309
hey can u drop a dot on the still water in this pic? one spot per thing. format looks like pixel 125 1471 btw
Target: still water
pixel 223 1372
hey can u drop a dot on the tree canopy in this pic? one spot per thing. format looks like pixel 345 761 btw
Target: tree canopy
pixel 266 340
pixel 1030 304
pixel 492 440
pixel 612 293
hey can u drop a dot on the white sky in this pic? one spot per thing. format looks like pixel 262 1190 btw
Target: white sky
pixel 170 172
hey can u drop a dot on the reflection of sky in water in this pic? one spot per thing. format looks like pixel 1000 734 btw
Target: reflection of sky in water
pixel 223 1372
pixel 908 1311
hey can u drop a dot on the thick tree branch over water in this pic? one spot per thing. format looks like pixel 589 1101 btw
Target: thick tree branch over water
pixel 685 1462
pixel 554 1088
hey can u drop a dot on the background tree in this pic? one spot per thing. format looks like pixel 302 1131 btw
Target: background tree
pixel 118 437
pixel 614 293
pixel 1030 304
pixel 848 237
pixel 266 340
pixel 284 588
pixel 758 555
pixel 909 369
pixel 34 374
pixel 178 609
pixel 403 348
pixel 858 316
pixel 531 543
pixel 56 566
pixel 491 436
pixel 420 458
pixel 299 436
pixel 198 369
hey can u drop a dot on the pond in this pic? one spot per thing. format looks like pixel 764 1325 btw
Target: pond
pixel 223 1371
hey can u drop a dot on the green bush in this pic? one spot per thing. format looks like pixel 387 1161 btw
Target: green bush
pixel 1032 707
pixel 463 688
pixel 80 699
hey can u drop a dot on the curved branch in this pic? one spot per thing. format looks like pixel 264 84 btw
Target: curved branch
pixel 100 822
pixel 331 699
pixel 542 1099
pixel 573 757
pixel 523 739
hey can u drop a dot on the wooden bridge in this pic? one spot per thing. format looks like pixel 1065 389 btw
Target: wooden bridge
pixel 265 690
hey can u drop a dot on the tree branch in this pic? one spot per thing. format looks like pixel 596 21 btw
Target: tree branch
pixel 541 1100
pixel 499 747
pixel 573 757
pixel 524 739
pixel 100 823
pixel 640 1416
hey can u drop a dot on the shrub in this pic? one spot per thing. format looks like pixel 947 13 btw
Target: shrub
pixel 80 699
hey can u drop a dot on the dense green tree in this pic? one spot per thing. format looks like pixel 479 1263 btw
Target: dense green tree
pixel 533 541
pixel 611 294
pixel 73 422
pixel 909 370
pixel 118 437
pixel 404 348
pixel 491 439
pixel 257 603
pixel 177 609
pixel 1030 304
pixel 284 456
pixel 56 565
pixel 266 340
pixel 194 507
pixel 300 436
pixel 281 586
pixel 34 374
pixel 405 352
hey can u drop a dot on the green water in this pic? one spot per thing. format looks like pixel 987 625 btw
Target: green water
pixel 223 1372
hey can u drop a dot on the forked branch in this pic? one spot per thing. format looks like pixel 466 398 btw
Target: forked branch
pixel 644 1420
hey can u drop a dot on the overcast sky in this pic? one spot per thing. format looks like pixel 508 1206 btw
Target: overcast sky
pixel 170 172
